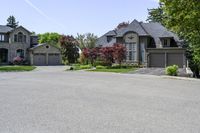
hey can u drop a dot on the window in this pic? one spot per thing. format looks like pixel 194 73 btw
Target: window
pixel 131 51
pixel 109 39
pixel 20 37
pixel 15 38
pixel 166 43
pixel 2 38
pixel 24 38
pixel 20 53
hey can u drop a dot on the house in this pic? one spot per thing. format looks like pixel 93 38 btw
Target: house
pixel 19 42
pixel 148 44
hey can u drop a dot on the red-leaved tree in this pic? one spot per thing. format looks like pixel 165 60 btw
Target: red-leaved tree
pixel 69 47
pixel 107 55
pixel 119 53
pixel 91 54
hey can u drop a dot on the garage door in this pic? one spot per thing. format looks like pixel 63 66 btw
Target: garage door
pixel 39 59
pixel 54 59
pixel 157 60
pixel 174 58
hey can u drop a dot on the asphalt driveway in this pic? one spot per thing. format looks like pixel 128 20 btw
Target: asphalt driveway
pixel 87 102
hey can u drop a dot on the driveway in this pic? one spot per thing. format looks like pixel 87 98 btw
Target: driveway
pixel 87 102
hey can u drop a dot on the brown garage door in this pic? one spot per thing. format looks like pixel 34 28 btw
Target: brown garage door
pixel 175 59
pixel 157 60
pixel 54 59
pixel 39 59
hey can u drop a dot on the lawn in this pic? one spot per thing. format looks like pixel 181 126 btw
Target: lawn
pixel 114 70
pixel 16 68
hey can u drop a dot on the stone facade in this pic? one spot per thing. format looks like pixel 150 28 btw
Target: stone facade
pixel 11 45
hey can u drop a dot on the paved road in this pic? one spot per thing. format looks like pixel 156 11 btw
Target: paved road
pixel 86 102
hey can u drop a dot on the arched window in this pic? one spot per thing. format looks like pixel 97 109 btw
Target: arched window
pixel 20 53
pixel 20 37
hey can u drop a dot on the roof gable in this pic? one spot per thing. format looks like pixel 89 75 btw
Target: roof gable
pixel 21 27
pixel 5 29
pixel 134 27
pixel 43 45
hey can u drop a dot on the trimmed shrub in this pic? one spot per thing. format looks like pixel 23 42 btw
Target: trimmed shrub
pixel 18 60
pixel 117 66
pixel 85 66
pixel 100 67
pixel 172 70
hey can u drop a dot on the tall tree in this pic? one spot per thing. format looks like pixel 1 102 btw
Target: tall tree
pixel 11 22
pixel 183 17
pixel 69 48
pixel 156 15
pixel 87 40
pixel 50 38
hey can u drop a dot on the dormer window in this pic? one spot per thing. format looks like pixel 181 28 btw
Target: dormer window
pixel 166 42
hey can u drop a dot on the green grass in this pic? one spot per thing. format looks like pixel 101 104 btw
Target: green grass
pixel 114 70
pixel 80 67
pixel 16 68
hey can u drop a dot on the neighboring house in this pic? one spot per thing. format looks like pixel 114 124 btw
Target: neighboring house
pixel 148 44
pixel 20 42
pixel 44 54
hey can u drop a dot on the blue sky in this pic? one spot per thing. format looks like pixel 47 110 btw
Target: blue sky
pixel 74 16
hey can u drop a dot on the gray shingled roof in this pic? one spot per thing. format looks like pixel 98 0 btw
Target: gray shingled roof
pixel 103 39
pixel 157 31
pixel 5 29
pixel 133 26
pixel 111 33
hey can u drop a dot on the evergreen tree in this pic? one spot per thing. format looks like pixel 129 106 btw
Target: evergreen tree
pixel 12 22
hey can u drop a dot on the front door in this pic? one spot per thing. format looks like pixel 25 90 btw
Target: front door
pixel 3 55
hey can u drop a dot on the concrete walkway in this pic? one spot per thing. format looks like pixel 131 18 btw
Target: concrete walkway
pixel 157 71
pixel 51 68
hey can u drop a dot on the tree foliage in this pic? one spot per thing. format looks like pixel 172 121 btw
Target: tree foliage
pixel 156 15
pixel 50 38
pixel 11 22
pixel 108 55
pixel 69 48
pixel 122 25
pixel 91 54
pixel 119 53
pixel 87 40
pixel 183 17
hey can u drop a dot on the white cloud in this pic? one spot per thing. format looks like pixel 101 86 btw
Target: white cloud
pixel 43 14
